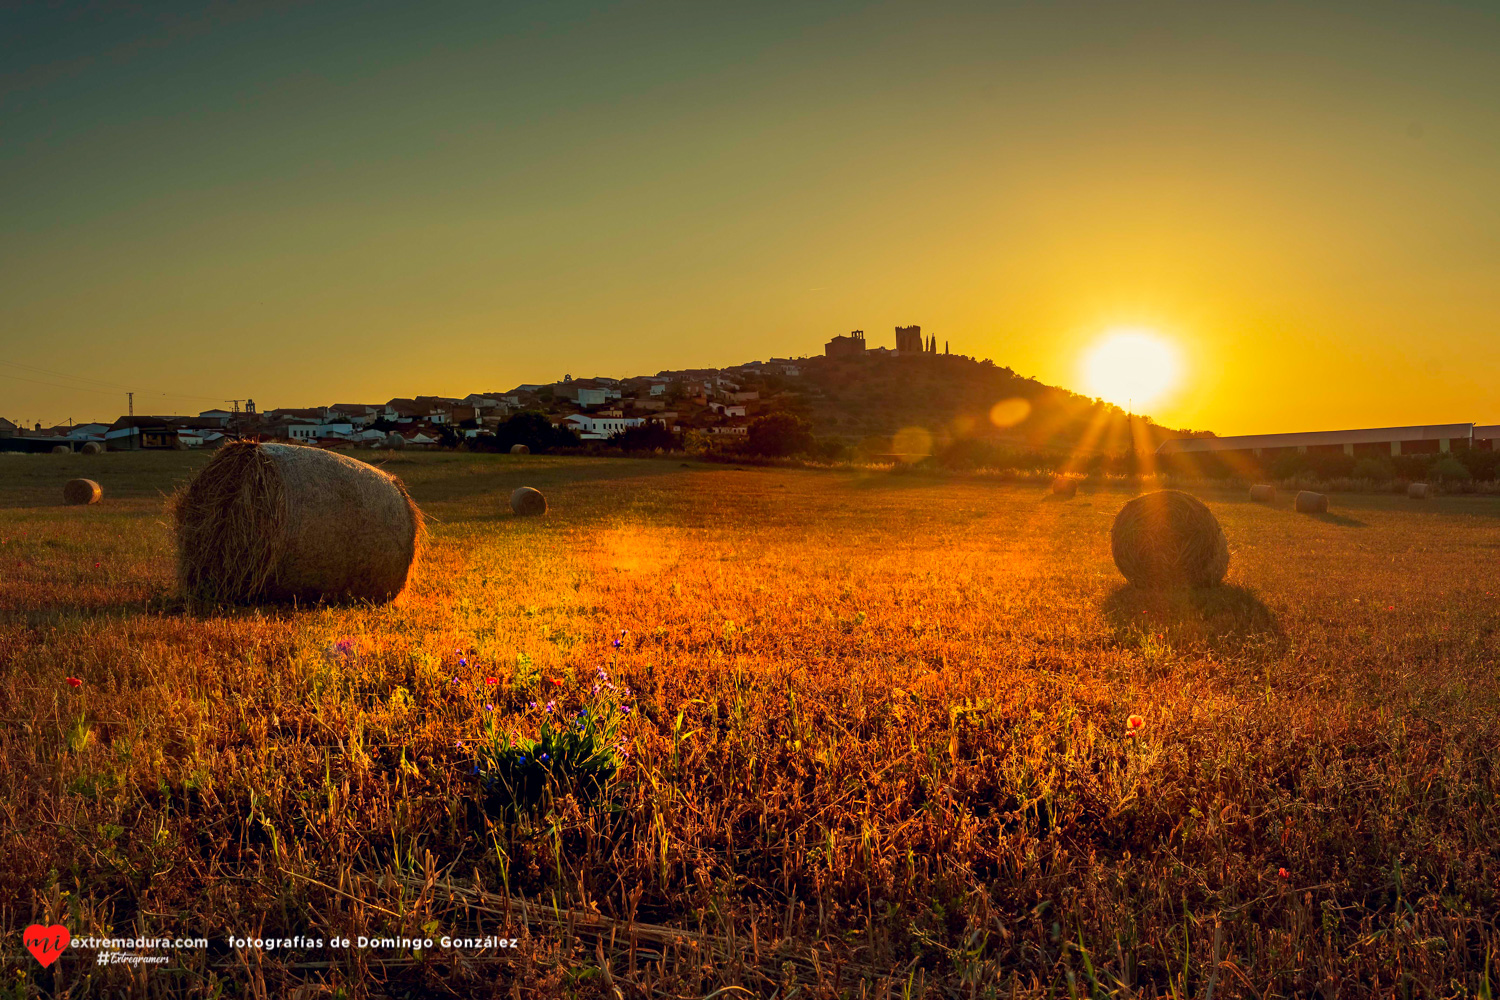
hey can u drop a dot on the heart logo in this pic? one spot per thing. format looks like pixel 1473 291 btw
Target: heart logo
pixel 47 943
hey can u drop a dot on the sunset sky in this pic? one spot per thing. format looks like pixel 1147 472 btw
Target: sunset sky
pixel 344 202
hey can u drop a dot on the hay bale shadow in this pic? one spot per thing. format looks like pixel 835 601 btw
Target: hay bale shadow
pixel 1342 520
pixel 1224 618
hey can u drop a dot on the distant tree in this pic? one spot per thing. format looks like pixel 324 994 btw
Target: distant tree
pixel 448 437
pixel 535 431
pixel 382 424
pixel 646 437
pixel 779 434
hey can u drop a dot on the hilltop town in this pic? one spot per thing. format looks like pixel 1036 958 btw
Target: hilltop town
pixel 851 396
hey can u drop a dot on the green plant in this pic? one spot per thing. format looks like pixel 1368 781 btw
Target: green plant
pixel 580 755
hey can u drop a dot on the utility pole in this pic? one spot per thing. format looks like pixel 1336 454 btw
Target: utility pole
pixel 131 397
pixel 236 403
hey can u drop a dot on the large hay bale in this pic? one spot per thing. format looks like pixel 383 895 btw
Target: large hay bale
pixel 1309 502
pixel 519 449
pixel 1419 491
pixel 92 448
pixel 1262 493
pixel 527 502
pixel 394 440
pixel 276 522
pixel 1065 486
pixel 82 491
pixel 1169 539
pixel 61 449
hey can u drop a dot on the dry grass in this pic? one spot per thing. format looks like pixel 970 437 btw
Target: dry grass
pixel 879 748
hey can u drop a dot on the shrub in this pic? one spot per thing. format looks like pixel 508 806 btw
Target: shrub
pixel 651 435
pixel 779 434
pixel 1379 470
pixel 1448 469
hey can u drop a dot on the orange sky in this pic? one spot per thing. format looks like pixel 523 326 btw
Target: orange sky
pixel 304 206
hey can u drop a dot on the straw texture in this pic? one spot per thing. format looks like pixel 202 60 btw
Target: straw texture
pixel 1169 539
pixel 271 522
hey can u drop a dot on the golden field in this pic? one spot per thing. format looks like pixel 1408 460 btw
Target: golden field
pixel 878 745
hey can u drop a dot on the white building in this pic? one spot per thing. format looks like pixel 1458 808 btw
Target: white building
pixel 591 428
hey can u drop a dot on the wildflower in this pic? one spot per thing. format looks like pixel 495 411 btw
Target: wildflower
pixel 74 682
pixel 523 758
pixel 544 758
pixel 595 688
pixel 489 707
pixel 1132 724
pixel 492 681
pixel 1283 873
pixel 459 744
pixel 583 712
pixel 531 704
pixel 476 769
pixel 463 663
pixel 618 643
pixel 453 680
pixel 96 565
pixel 625 709
pixel 555 681
pixel 551 707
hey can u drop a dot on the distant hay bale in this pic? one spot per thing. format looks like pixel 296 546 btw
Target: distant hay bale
pixel 1063 486
pixel 82 491
pixel 519 449
pixel 1262 493
pixel 92 448
pixel 1169 539
pixel 527 502
pixel 1419 491
pixel 394 440
pixel 1309 502
pixel 61 449
pixel 276 522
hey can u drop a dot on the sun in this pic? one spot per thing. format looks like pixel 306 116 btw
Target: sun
pixel 1131 367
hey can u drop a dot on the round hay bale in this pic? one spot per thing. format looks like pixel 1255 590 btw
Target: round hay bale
pixel 1419 491
pixel 394 440
pixel 82 491
pixel 527 502
pixel 1169 539
pixel 92 448
pixel 519 449
pixel 1063 486
pixel 1309 502
pixel 1262 493
pixel 61 449
pixel 277 522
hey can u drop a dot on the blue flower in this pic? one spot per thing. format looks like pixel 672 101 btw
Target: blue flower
pixel 463 663
pixel 544 757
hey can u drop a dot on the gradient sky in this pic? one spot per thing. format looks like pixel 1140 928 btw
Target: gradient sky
pixel 330 202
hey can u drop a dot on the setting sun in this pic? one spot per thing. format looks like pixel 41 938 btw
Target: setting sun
pixel 1131 367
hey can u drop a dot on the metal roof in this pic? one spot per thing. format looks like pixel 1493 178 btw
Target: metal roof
pixel 1308 439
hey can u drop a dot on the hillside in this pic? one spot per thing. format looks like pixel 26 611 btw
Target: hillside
pixel 957 398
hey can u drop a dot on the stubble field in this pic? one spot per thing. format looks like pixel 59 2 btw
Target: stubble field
pixel 877 745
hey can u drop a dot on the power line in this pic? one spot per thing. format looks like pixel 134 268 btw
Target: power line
pixel 106 392
pixel 114 385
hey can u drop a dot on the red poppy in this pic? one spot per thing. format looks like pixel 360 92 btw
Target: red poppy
pixel 492 681
pixel 74 682
pixel 555 682
pixel 1283 873
pixel 1134 722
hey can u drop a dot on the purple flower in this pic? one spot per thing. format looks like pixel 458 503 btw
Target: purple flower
pixel 624 709
pixel 544 757
pixel 463 663
pixel 618 643
pixel 489 708
pixel 551 707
